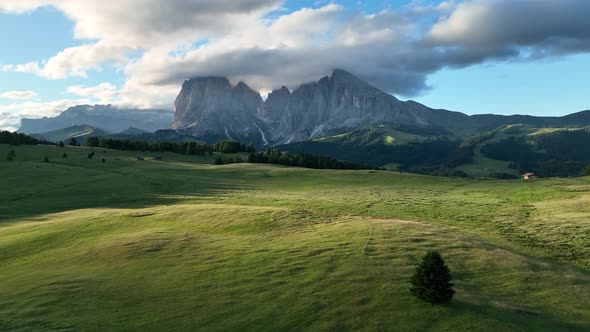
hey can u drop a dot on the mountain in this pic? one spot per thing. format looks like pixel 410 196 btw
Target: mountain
pixel 344 117
pixel 79 132
pixel 106 117
pixel 213 109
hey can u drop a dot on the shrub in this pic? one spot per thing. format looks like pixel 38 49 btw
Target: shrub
pixel 432 280
pixel 65 155
pixel 45 160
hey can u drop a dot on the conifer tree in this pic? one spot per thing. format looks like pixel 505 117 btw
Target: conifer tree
pixel 432 280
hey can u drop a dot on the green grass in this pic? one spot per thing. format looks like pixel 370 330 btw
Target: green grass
pixel 184 245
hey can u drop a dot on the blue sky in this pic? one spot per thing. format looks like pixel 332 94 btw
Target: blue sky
pixel 445 54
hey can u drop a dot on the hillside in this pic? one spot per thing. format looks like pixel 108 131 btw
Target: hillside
pixel 181 244
pixel 79 132
pixel 504 152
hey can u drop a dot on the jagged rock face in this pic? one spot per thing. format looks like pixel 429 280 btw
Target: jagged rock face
pixel 211 106
pixel 106 117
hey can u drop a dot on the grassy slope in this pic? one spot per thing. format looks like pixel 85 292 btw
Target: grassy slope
pixel 180 245
pixel 79 131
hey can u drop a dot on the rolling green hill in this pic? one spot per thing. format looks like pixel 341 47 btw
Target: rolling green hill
pixel 181 244
pixel 79 132
pixel 506 151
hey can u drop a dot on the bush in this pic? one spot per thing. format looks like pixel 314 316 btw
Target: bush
pixel 45 160
pixel 65 155
pixel 432 280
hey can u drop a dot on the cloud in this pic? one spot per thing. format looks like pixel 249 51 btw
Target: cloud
pixel 74 61
pixel 394 49
pixel 18 95
pixel 105 93
pixel 477 31
pixel 11 114
pixel 131 25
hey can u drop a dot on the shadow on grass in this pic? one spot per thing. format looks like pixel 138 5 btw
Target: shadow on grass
pixel 495 315
pixel 112 191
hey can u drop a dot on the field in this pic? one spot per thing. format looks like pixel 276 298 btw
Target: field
pixel 181 245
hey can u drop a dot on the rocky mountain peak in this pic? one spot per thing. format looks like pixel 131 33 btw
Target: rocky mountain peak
pixel 210 106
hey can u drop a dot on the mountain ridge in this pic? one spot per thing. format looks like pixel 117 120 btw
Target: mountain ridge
pixel 211 107
pixel 106 117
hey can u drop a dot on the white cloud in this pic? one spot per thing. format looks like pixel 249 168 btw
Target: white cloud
pixel 18 95
pixel 30 67
pixel 503 28
pixel 396 50
pixel 105 93
pixel 74 61
pixel 10 114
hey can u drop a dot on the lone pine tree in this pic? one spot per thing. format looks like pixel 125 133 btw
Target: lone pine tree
pixel 432 280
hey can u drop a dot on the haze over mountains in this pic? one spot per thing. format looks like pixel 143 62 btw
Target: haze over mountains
pixel 106 117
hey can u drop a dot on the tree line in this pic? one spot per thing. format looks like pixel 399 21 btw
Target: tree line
pixel 14 138
pixel 277 157
pixel 563 153
pixel 189 148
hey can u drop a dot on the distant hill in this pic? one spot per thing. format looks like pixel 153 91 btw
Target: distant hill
pixel 504 152
pixel 133 131
pixel 80 132
pixel 164 135
pixel 107 117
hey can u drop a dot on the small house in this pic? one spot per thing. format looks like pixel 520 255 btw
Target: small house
pixel 529 176
pixel 139 159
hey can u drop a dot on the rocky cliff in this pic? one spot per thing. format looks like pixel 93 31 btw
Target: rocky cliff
pixel 211 107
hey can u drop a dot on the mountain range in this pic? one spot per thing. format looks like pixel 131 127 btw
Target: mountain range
pixel 342 116
pixel 210 107
pixel 105 117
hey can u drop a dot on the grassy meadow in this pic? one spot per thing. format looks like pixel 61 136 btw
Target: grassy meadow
pixel 183 245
